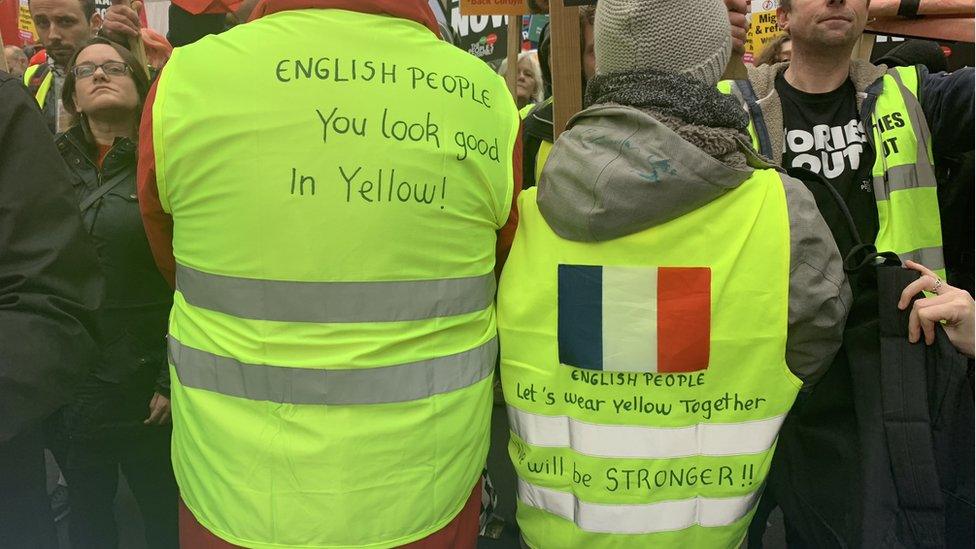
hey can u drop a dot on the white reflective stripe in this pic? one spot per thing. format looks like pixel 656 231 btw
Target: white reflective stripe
pixel 648 518
pixel 325 302
pixel 629 441
pixel 930 257
pixel 903 178
pixel 289 385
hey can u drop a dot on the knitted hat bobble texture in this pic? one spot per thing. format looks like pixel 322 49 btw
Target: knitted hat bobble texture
pixel 690 37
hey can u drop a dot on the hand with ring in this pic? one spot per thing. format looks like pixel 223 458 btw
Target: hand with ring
pixel 952 307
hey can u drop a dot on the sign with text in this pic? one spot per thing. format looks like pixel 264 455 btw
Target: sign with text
pixel 494 7
pixel 25 25
pixel 483 36
pixel 763 28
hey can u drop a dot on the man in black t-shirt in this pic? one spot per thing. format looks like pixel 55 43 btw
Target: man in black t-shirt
pixel 823 133
pixel 812 109
pixel 817 112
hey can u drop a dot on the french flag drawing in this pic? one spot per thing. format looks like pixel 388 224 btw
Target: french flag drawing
pixel 634 319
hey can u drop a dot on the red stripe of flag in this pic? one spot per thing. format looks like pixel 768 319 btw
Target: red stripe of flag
pixel 684 311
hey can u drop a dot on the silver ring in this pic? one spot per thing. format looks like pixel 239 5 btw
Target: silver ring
pixel 938 284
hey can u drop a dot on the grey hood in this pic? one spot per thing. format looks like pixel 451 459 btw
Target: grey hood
pixel 618 170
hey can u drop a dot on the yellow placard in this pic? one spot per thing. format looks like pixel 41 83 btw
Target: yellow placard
pixel 25 25
pixel 763 27
pixel 494 7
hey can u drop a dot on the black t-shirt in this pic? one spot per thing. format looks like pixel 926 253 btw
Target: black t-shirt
pixel 824 134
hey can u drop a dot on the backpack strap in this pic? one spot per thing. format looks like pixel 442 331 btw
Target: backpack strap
pixel 748 95
pixel 102 190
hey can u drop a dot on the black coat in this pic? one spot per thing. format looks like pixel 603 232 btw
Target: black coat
pixel 133 319
pixel 49 279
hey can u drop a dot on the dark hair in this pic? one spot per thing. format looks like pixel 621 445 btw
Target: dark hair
pixel 136 71
pixel 771 51
pixel 87 8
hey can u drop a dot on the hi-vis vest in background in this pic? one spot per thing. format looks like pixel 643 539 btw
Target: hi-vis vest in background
pixel 38 79
pixel 903 172
pixel 645 376
pixel 336 181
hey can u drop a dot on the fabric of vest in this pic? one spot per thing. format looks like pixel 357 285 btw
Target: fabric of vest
pixel 39 90
pixel 541 156
pixel 638 458
pixel 903 171
pixel 333 331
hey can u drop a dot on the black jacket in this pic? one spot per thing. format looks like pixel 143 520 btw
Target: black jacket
pixel 132 321
pixel 49 279
pixel 537 128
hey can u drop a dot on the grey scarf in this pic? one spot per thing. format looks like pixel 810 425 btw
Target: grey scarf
pixel 700 114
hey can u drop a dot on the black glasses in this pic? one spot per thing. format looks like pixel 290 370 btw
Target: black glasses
pixel 111 68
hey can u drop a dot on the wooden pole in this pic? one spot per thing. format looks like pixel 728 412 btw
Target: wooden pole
pixel 3 56
pixel 863 48
pixel 567 84
pixel 514 45
pixel 137 47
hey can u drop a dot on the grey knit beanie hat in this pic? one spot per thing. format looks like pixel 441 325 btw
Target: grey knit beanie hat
pixel 690 37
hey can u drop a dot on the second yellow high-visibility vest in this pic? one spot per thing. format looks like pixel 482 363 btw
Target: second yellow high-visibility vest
pixel 903 175
pixel 45 84
pixel 336 181
pixel 645 376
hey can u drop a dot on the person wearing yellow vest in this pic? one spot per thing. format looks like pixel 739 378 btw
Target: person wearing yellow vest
pixel 529 88
pixel 63 26
pixel 873 132
pixel 327 182
pixel 667 297
pixel 538 120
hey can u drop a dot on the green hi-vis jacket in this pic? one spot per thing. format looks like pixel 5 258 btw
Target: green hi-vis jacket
pixel 903 176
pixel 335 202
pixel 645 375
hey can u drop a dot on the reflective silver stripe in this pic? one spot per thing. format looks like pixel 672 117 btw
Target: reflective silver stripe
pixel 663 516
pixel 900 178
pixel 287 385
pixel 916 116
pixel 930 257
pixel 289 301
pixel 909 176
pixel 628 441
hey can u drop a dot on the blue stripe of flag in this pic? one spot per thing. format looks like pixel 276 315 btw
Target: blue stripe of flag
pixel 581 316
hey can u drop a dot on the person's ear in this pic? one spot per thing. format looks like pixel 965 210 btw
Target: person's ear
pixel 96 22
pixel 783 18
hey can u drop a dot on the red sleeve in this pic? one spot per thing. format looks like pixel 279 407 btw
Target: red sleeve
pixel 197 7
pixel 507 233
pixel 158 224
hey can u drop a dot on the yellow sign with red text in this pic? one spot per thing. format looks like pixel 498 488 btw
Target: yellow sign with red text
pixel 494 7
pixel 763 27
pixel 25 25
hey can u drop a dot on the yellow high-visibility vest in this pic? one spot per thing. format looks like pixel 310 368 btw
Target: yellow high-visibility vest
pixel 41 94
pixel 336 181
pixel 903 176
pixel 645 376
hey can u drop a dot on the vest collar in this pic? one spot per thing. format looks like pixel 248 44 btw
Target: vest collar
pixel 414 10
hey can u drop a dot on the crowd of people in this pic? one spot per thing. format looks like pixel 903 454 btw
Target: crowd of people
pixel 271 279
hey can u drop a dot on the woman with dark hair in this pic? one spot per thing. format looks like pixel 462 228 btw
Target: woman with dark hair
pixel 120 417
pixel 777 51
